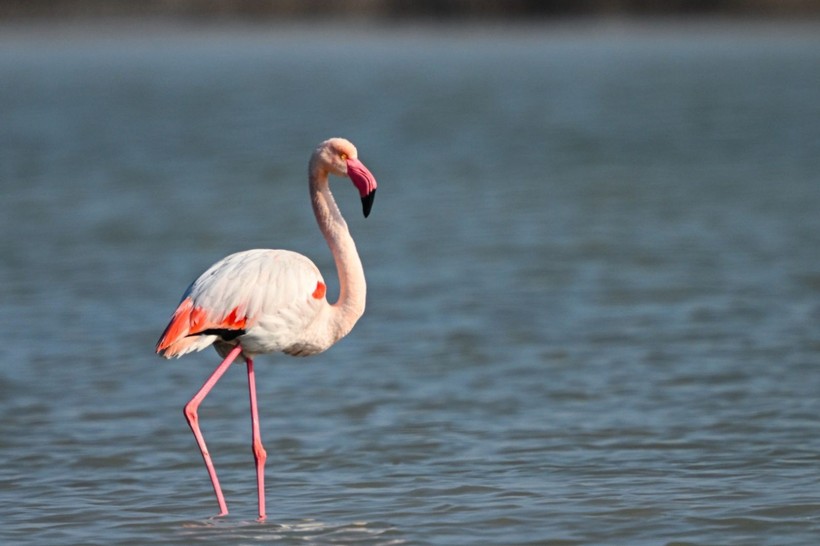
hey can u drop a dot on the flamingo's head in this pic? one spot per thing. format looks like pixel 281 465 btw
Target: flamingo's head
pixel 339 156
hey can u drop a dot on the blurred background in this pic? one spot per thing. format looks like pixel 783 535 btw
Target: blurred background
pixel 593 270
pixel 396 9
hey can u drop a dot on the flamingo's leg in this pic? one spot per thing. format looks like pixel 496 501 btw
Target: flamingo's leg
pixel 259 453
pixel 193 421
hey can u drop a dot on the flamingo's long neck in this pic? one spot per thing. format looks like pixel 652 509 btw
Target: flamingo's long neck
pixel 350 305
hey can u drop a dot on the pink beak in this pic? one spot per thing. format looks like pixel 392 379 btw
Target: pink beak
pixel 364 181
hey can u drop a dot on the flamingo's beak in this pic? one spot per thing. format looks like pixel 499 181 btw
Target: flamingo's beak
pixel 364 181
pixel 367 203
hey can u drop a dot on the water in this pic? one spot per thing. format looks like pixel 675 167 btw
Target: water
pixel 593 266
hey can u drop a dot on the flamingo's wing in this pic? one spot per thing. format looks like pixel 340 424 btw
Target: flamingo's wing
pixel 277 291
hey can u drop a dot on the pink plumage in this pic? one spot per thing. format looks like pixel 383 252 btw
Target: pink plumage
pixel 267 298
pixel 264 301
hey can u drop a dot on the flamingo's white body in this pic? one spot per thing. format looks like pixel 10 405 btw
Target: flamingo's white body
pixel 263 301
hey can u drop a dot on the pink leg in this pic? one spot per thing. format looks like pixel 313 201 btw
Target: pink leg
pixel 193 422
pixel 259 453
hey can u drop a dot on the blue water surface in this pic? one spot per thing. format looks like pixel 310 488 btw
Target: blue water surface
pixel 593 283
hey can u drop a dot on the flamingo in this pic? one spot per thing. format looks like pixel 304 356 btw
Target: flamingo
pixel 264 301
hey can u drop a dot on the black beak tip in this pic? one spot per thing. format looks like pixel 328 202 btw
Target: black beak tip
pixel 367 203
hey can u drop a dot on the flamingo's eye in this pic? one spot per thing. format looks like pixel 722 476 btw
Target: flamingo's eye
pixel 343 156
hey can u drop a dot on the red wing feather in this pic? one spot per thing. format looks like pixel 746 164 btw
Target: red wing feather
pixel 188 321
